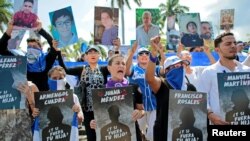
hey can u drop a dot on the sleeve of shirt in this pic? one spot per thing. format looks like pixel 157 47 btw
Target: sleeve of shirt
pixel 76 99
pixel 105 73
pixel 4 45
pixel 204 78
pixel 137 94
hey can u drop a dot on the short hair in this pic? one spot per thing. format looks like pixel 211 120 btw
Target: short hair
pixel 146 12
pixel 31 1
pixel 190 23
pixel 205 22
pixel 59 13
pixel 108 11
pixel 35 40
pixel 218 39
pixel 111 59
pixel 58 68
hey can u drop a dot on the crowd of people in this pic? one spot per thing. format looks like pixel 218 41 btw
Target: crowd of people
pixel 152 76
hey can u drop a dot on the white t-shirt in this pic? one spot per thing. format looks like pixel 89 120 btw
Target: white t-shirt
pixel 210 85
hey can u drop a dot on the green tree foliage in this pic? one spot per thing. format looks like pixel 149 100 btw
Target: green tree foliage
pixel 5 13
pixel 171 8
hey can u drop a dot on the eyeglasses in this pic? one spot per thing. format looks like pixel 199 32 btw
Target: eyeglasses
pixel 66 23
pixel 173 36
pixel 141 53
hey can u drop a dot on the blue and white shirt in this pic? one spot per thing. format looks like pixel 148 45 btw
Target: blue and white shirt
pixel 138 76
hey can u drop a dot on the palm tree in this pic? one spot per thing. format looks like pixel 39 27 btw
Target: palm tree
pixel 121 4
pixel 5 13
pixel 171 8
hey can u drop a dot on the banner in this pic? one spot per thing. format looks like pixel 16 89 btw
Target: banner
pixel 187 116
pixel 113 109
pixel 234 94
pixel 13 73
pixel 56 114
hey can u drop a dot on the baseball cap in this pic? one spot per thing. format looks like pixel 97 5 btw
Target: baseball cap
pixel 142 49
pixel 173 60
pixel 174 32
pixel 93 47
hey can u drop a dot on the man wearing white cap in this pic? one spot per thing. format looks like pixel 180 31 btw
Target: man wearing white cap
pixel 174 79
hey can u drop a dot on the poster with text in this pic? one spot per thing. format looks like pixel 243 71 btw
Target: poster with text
pixel 25 14
pixel 189 24
pixel 147 25
pixel 113 108
pixel 226 19
pixel 13 73
pixel 187 116
pixel 234 94
pixel 55 115
pixel 106 25
pixel 63 26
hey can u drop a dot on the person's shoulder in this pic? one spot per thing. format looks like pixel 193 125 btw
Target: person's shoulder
pixel 155 26
pixel 213 67
pixel 139 27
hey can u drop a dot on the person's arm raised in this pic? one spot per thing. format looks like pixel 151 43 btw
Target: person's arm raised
pixel 153 81
pixel 130 58
pixel 209 55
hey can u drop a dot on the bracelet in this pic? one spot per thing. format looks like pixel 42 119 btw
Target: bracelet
pixel 153 59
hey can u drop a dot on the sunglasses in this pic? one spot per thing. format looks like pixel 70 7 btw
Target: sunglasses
pixel 141 53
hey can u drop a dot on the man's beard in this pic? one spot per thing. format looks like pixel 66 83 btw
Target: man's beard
pixel 206 36
pixel 231 57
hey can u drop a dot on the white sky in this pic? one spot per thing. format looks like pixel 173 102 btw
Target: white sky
pixel 83 11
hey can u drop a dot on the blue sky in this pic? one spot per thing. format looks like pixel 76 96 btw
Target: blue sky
pixel 209 10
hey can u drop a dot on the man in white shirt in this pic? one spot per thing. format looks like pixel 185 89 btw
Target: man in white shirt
pixel 225 45
pixel 147 30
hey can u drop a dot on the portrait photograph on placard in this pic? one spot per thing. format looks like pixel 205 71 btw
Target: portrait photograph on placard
pixel 25 14
pixel 56 115
pixel 189 24
pixel 106 25
pixel 226 18
pixel 234 96
pixel 187 116
pixel 113 108
pixel 63 26
pixel 147 25
pixel 13 71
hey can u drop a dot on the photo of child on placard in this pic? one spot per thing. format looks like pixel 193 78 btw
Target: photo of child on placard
pixel 63 27
pixel 106 25
pixel 147 21
pixel 189 24
pixel 226 18
pixel 25 14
